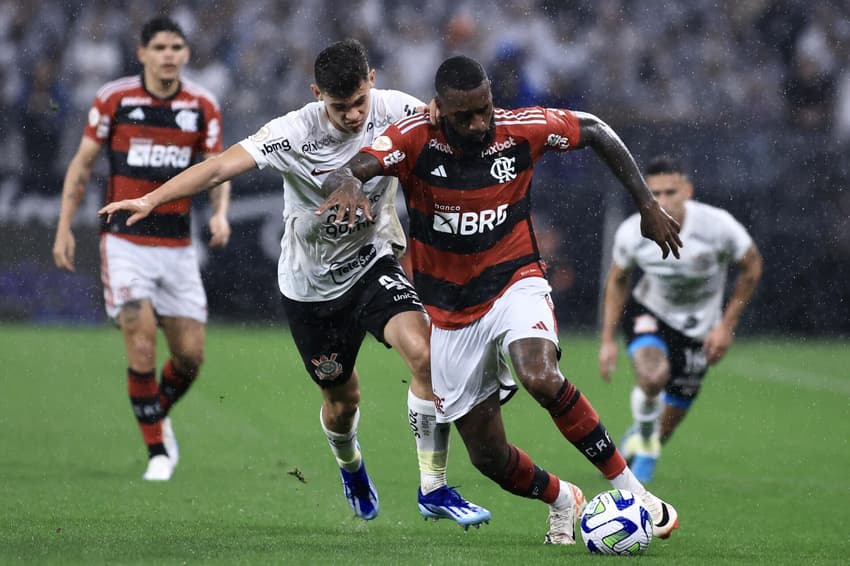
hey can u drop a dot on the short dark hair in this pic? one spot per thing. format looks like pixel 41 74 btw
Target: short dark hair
pixel 459 73
pixel 665 165
pixel 341 67
pixel 159 24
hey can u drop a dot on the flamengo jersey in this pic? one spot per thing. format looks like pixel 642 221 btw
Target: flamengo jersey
pixel 149 141
pixel 320 260
pixel 470 215
pixel 686 293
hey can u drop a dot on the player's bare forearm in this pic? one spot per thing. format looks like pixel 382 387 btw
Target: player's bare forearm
pixel 220 198
pixel 614 299
pixel 750 269
pixel 344 188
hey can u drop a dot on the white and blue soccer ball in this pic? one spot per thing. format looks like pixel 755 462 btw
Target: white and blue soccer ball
pixel 616 522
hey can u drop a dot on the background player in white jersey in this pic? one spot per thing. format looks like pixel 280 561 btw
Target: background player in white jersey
pixel 674 321
pixel 341 281
pixel 153 126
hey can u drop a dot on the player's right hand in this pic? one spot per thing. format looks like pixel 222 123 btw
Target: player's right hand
pixel 346 197
pixel 140 207
pixel 607 360
pixel 63 250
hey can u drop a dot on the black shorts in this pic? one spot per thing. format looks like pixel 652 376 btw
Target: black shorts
pixel 688 364
pixel 328 334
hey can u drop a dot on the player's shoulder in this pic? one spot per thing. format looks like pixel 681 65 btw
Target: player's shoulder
pixel 707 212
pixel 529 115
pixel 417 124
pixel 120 87
pixel 390 96
pixel 298 124
pixel 196 90
pixel 629 229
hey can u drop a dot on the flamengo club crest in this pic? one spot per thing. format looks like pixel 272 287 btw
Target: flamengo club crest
pixel 327 368
pixel 504 169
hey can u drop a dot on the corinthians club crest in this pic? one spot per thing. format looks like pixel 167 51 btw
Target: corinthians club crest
pixel 327 368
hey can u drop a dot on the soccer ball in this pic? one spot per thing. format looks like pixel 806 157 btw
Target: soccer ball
pixel 616 522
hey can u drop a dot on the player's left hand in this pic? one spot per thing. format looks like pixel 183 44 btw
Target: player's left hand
pixel 220 230
pixel 717 343
pixel 661 228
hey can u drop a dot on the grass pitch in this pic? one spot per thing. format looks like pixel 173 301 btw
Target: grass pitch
pixel 758 471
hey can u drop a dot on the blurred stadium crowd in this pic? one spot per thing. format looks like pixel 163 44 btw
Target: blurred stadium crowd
pixel 754 94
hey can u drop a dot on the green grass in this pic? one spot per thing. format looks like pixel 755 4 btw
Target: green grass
pixel 758 472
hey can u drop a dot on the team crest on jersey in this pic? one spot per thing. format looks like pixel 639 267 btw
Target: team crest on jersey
pixel 327 368
pixel 187 120
pixel 504 169
pixel 382 143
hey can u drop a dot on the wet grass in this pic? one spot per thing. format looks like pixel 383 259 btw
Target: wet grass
pixel 758 471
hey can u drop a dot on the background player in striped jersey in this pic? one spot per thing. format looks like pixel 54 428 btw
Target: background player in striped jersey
pixel 154 125
pixel 341 281
pixel 477 269
pixel 673 321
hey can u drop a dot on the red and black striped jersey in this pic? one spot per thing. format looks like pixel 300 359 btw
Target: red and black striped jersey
pixel 149 140
pixel 470 215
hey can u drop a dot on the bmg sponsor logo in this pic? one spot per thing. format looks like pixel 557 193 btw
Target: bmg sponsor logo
pixel 275 146
pixel 470 222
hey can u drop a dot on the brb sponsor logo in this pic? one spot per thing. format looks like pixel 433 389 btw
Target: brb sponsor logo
pixel 145 153
pixel 451 220
pixel 343 271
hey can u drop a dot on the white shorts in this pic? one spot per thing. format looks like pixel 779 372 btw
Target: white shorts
pixel 468 364
pixel 169 277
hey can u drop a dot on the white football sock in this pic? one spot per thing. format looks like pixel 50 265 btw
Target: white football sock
pixel 344 445
pixel 432 442
pixel 627 480
pixel 645 411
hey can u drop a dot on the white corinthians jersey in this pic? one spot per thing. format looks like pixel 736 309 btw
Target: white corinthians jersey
pixel 686 293
pixel 320 260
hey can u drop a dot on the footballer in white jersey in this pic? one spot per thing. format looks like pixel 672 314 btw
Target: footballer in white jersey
pixel 339 276
pixel 321 260
pixel 687 294
pixel 675 323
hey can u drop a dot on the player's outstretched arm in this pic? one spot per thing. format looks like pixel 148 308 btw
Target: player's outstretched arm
pixel 344 188
pixel 655 223
pixel 199 177
pixel 718 341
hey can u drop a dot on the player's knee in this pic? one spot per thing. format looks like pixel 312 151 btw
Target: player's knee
pixel 543 385
pixel 142 350
pixel 188 362
pixel 420 366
